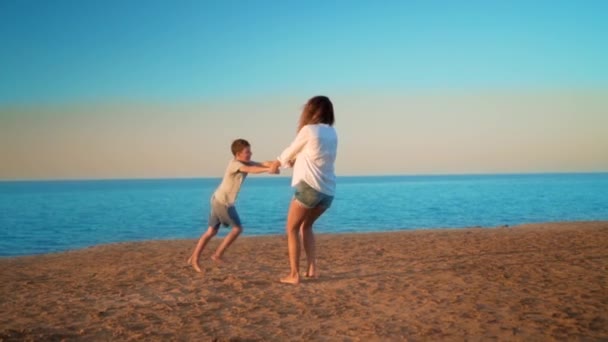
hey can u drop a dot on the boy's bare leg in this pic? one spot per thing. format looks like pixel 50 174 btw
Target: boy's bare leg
pixel 295 217
pixel 200 246
pixel 308 238
pixel 228 240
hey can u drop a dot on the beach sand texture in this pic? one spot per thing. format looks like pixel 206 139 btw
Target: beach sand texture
pixel 531 282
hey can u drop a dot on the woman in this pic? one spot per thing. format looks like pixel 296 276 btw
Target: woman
pixel 312 155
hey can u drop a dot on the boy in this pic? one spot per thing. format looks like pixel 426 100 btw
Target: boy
pixel 223 211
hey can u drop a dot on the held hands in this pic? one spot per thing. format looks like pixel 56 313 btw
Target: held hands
pixel 274 168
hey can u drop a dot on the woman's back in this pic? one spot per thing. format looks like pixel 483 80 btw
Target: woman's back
pixel 315 162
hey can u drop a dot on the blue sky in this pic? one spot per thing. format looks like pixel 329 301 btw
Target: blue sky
pixel 134 88
pixel 62 51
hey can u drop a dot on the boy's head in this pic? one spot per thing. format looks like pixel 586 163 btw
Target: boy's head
pixel 241 150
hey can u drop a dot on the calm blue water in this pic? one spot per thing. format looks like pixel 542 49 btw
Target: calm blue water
pixel 49 216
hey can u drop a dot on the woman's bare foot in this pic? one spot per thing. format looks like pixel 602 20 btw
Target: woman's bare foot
pixel 312 272
pixel 291 279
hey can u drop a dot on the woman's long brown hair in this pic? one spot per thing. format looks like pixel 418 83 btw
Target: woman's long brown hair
pixel 318 109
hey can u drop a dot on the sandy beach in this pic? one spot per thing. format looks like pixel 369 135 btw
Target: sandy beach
pixel 525 283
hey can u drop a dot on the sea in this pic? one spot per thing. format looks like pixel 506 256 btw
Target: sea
pixel 38 217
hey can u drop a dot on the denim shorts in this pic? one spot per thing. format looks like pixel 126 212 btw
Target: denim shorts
pixel 222 214
pixel 311 198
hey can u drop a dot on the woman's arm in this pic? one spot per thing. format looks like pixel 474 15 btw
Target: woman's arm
pixel 290 153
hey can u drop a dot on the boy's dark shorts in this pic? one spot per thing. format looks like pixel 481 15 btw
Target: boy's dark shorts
pixel 311 198
pixel 222 214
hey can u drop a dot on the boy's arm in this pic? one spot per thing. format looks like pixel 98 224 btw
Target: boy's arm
pixel 254 168
pixel 265 163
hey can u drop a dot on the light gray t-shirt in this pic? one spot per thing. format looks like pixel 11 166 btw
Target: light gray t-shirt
pixel 228 190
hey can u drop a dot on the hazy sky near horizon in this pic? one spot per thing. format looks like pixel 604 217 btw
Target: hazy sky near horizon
pixel 130 89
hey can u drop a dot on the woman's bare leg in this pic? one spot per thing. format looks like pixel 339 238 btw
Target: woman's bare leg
pixel 308 238
pixel 295 217
pixel 200 246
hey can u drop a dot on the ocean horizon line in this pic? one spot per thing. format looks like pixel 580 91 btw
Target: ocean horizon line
pixel 344 176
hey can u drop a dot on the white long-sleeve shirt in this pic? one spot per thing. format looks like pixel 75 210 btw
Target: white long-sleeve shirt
pixel 314 149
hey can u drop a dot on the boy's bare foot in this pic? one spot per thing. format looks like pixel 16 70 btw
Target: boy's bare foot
pixel 194 264
pixel 197 268
pixel 218 259
pixel 294 280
